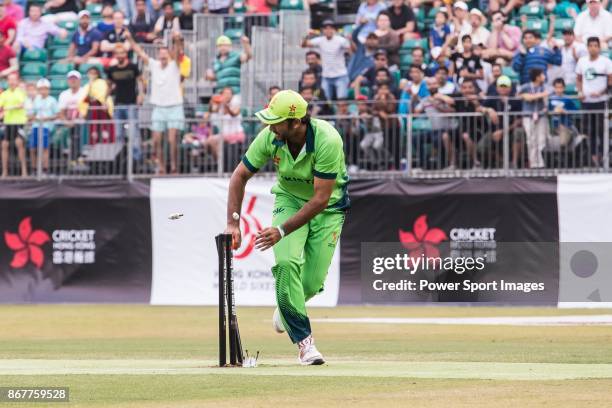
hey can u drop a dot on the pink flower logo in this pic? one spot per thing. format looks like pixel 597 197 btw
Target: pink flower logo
pixel 424 240
pixel 26 244
pixel 250 225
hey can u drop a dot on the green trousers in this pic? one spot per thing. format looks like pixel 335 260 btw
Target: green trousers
pixel 302 261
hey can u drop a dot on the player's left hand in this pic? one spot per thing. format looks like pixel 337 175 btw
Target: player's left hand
pixel 266 238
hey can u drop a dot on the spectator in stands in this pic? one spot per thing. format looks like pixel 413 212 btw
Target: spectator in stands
pixel 594 77
pixel 385 107
pixel 335 79
pixel 262 10
pixel 31 94
pixel 418 58
pixel 440 31
pixel 114 37
pixel 273 90
pixel 460 22
pixel 45 112
pixel 363 55
pixel 142 24
pixel 60 10
pixel 403 20
pixel 316 106
pixel 505 6
pixel 490 146
pixel 487 75
pixel 445 85
pixel 347 125
pixel 8 59
pixel 469 132
pixel 497 71
pixel 309 79
pixel 388 39
pixel 85 42
pixel 14 11
pixel 219 6
pixel 466 64
pixel 366 15
pixel 126 86
pixel 226 57
pixel 167 22
pixel 128 7
pixel 32 32
pixel 571 52
pixel 433 105
pixel 533 55
pixel 414 90
pixel 372 139
pixel 183 60
pixel 187 16
pixel 8 27
pixel 313 62
pixel 505 39
pixel 226 119
pixel 97 108
pixel 107 23
pixel 535 120
pixel 368 76
pixel 479 34
pixel 167 101
pixel 68 105
pixel 594 22
pixel 559 105
pixel 438 59
pixel 12 102
pixel 383 76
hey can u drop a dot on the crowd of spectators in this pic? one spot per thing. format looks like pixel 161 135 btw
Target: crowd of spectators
pixel 458 67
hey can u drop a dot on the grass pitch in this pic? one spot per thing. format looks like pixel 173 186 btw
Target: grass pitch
pixel 143 356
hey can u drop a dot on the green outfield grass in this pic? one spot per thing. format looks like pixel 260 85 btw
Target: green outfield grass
pixel 143 356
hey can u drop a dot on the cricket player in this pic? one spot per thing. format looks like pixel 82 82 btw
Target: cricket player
pixel 309 208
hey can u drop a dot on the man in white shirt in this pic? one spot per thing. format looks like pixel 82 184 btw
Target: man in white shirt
pixel 167 100
pixel 594 22
pixel 335 79
pixel 594 76
pixel 68 104
pixel 460 22
pixel 571 52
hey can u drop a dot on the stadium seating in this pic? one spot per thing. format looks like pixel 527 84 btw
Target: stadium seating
pixel 59 53
pixel 34 69
pixel 60 69
pixel 291 5
pixel 537 25
pixel 36 55
pixel 95 9
pixel 84 67
pixel 532 10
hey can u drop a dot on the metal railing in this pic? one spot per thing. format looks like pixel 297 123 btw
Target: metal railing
pixel 409 145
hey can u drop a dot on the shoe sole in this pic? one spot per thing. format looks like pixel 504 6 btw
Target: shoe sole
pixel 318 361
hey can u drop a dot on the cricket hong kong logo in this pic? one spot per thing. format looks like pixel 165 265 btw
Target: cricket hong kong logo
pixel 249 225
pixel 26 244
pixel 292 109
pixel 422 240
pixel 276 161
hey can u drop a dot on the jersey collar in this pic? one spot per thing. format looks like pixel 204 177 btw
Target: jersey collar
pixel 310 144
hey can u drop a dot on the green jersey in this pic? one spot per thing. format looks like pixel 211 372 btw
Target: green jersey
pixel 322 156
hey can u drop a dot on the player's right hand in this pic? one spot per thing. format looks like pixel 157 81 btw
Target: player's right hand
pixel 236 235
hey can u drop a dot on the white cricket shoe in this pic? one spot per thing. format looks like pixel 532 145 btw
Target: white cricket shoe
pixel 308 354
pixel 277 322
